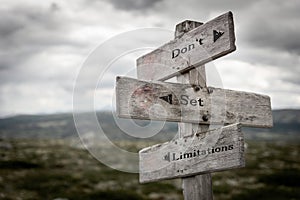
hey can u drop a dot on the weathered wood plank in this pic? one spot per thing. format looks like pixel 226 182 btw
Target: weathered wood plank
pixel 215 150
pixel 205 43
pixel 190 103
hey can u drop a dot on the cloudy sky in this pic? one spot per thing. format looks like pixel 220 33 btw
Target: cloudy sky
pixel 44 46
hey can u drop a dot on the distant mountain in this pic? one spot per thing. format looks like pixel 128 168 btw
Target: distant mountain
pixel 286 125
pixel 63 126
pixel 38 126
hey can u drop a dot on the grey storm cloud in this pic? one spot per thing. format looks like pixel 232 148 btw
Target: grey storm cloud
pixel 23 17
pixel 27 30
pixel 29 35
pixel 129 5
pixel 41 43
pixel 272 28
pixel 224 4
pixel 22 23
pixel 282 37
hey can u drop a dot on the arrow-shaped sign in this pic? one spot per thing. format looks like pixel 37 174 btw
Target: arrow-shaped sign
pixel 197 47
pixel 137 99
pixel 216 150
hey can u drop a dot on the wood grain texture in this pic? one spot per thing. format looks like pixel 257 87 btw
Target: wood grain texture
pixel 190 50
pixel 142 100
pixel 215 150
pixel 198 187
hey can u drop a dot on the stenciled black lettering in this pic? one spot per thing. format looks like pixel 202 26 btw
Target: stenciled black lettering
pixel 197 152
pixel 208 151
pixel 191 46
pixel 218 149
pixel 224 148
pixel 187 155
pixel 175 53
pixel 200 41
pixel 200 102
pixel 184 50
pixel 193 102
pixel 184 99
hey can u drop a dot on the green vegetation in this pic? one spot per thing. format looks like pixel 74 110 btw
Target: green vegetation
pixel 272 172
pixel 50 169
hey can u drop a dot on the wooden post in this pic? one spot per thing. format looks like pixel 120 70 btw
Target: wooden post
pixel 196 187
pixel 137 99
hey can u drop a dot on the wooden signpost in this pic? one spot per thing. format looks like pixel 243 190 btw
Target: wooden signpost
pixel 186 103
pixel 196 47
pixel 215 150
pixel 197 151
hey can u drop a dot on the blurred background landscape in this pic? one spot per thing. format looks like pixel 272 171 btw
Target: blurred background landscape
pixel 43 158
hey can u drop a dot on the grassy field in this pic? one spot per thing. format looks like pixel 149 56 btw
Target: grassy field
pixel 50 169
